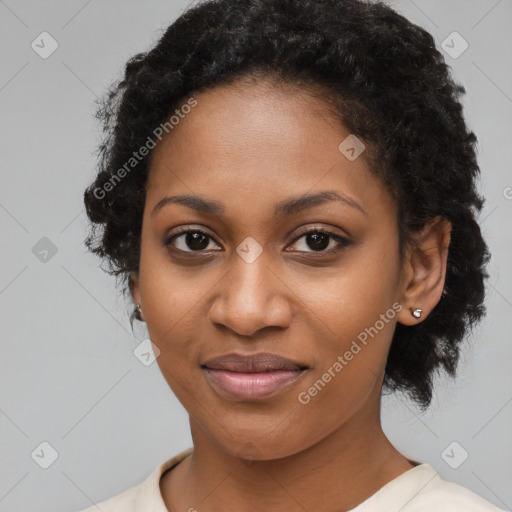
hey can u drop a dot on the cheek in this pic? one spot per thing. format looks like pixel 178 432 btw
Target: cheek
pixel 170 304
pixel 176 329
pixel 355 311
pixel 350 350
pixel 353 297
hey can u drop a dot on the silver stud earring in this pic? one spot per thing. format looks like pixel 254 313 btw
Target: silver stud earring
pixel 416 313
pixel 137 312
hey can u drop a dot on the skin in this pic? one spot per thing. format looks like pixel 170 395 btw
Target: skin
pixel 250 146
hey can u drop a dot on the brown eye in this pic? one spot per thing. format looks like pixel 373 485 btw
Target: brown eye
pixel 190 241
pixel 321 241
pixel 317 241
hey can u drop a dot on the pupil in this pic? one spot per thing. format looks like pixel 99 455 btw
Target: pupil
pixel 319 241
pixel 196 241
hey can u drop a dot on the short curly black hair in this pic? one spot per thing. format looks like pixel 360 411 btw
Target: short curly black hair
pixel 391 88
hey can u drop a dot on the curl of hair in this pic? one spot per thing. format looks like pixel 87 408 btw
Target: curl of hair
pixel 389 86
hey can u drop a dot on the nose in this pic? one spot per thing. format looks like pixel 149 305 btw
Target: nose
pixel 251 297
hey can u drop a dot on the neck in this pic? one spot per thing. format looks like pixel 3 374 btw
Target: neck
pixel 344 468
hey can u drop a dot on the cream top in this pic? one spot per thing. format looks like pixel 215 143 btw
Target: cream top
pixel 420 489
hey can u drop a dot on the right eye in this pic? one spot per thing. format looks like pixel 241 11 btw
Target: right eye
pixel 189 241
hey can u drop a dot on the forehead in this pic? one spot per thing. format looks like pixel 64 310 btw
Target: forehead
pixel 252 145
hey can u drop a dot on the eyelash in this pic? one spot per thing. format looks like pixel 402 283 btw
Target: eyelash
pixel 342 242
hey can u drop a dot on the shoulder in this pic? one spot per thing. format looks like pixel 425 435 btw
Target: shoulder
pixel 421 489
pixel 141 497
pixel 123 501
pixel 443 496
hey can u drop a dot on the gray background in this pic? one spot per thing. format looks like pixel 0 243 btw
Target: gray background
pixel 68 373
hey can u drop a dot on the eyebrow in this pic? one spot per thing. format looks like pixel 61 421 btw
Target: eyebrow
pixel 282 209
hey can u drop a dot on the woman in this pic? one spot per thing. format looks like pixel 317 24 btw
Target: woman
pixel 288 190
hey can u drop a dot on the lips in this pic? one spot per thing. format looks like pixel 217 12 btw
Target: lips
pixel 253 363
pixel 252 377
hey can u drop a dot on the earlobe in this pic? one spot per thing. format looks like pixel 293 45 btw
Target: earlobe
pixel 425 271
pixel 133 283
pixel 416 312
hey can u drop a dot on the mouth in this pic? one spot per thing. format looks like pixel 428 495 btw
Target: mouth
pixel 252 377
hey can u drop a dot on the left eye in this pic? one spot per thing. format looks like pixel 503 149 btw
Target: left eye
pixel 320 241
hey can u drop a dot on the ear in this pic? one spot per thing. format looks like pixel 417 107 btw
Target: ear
pixel 133 283
pixel 424 270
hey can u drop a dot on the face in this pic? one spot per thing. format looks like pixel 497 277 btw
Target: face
pixel 317 282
